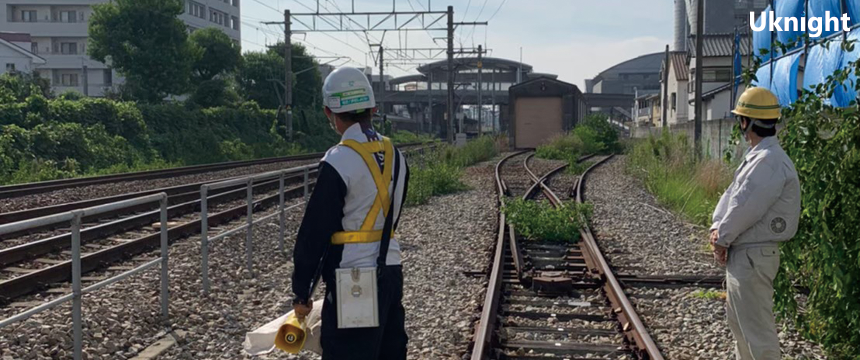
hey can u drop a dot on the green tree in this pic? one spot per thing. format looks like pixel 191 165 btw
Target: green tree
pixel 218 54
pixel 146 42
pixel 261 77
pixel 214 93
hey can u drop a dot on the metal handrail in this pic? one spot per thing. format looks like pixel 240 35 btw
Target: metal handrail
pixel 75 217
pixel 249 181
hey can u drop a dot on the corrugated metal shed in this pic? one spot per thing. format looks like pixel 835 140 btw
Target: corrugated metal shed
pixel 679 65
pixel 718 45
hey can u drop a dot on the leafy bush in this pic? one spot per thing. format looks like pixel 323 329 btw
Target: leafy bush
pixel 71 95
pixel 824 256
pixel 539 220
pixel 593 135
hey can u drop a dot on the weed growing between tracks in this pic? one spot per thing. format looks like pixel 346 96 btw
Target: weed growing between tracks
pixel 594 135
pixel 539 220
pixel 438 172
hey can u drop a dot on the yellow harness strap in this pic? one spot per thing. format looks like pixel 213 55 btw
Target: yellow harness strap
pixel 367 234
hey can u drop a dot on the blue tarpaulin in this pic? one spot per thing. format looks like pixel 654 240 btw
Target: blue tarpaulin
pixel 818 8
pixel 761 39
pixel 821 63
pixel 791 9
pixel 844 94
pixel 784 82
pixel 763 77
pixel 853 11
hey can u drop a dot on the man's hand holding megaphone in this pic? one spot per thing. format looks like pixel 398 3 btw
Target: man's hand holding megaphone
pixel 302 310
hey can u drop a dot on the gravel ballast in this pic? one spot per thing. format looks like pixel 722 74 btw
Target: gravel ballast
pixel 639 237
pixel 441 240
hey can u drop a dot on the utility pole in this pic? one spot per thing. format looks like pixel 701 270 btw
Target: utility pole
pixel 288 79
pixel 493 97
pixel 382 87
pixel 430 101
pixel 86 81
pixel 700 39
pixel 450 74
pixel 480 87
pixel 666 89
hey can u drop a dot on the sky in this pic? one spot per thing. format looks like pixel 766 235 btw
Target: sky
pixel 575 39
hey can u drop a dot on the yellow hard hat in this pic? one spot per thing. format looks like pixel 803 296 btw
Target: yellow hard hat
pixel 758 103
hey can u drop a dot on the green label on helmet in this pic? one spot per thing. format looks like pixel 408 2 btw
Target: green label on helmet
pixel 354 100
pixel 350 93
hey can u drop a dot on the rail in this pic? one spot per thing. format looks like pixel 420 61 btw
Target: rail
pixel 632 326
pixel 77 292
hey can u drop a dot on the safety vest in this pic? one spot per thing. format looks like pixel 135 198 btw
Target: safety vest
pixel 367 233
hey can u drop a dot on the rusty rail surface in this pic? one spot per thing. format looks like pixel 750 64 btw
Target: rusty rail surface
pixel 38 279
pixel 632 328
pixel 484 329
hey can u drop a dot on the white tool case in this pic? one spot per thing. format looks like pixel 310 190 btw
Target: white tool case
pixel 357 302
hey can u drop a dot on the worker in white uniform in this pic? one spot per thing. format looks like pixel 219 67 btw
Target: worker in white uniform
pixel 760 209
pixel 347 234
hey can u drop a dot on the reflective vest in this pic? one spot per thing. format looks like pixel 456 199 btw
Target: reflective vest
pixel 367 233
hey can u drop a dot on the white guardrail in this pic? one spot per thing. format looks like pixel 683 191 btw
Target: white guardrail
pixel 249 181
pixel 77 292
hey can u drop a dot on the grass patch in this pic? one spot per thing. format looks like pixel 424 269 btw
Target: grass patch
pixel 668 169
pixel 539 220
pixel 438 172
pixel 406 137
pixel 709 294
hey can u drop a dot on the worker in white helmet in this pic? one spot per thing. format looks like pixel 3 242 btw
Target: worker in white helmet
pixel 760 209
pixel 347 234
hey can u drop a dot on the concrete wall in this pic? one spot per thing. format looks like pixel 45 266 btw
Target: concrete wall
pixel 715 136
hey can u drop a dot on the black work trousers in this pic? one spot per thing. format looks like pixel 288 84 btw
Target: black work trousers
pixel 385 342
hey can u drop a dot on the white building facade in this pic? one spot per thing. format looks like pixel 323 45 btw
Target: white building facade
pixel 15 55
pixel 58 30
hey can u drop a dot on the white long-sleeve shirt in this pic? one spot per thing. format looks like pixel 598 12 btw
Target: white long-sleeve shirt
pixel 762 205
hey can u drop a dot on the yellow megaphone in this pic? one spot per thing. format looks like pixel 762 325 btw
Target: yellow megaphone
pixel 291 335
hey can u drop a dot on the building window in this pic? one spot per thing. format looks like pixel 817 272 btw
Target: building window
pixel 69 80
pixel 197 9
pixel 108 77
pixel 67 48
pixel 674 101
pixel 28 16
pixel 216 17
pixel 716 75
pixel 34 48
pixel 235 23
pixel 10 67
pixel 68 16
pixel 236 3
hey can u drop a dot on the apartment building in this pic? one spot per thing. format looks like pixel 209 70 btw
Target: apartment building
pixel 58 33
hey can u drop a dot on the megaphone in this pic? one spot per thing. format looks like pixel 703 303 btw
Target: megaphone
pixel 291 335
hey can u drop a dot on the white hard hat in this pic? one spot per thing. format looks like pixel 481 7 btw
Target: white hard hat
pixel 347 89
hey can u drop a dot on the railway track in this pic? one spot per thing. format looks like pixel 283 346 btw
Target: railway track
pixel 551 301
pixel 10 191
pixel 34 265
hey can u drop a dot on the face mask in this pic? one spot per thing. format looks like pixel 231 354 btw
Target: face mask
pixel 331 123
